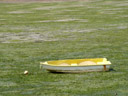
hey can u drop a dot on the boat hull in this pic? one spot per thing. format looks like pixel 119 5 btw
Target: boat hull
pixel 75 69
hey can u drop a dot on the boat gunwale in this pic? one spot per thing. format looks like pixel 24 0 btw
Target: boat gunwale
pixel 101 63
pixel 76 65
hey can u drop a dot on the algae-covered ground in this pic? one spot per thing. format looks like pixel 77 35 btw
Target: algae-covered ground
pixel 31 32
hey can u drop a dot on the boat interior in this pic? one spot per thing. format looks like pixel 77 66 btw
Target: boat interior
pixel 78 62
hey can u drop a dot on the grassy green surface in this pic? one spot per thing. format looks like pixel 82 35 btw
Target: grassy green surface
pixel 34 32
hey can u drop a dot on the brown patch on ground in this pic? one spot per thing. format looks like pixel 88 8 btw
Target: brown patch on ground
pixel 18 1
pixel 25 37
pixel 19 12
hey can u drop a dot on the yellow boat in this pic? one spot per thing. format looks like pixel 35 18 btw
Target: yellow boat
pixel 77 65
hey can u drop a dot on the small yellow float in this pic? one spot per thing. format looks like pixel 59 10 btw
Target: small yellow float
pixel 77 65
